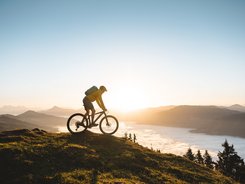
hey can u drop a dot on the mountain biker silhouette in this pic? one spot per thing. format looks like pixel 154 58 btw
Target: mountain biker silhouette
pixel 94 96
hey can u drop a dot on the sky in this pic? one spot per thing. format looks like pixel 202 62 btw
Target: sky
pixel 146 52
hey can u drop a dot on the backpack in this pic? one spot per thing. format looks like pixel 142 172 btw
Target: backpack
pixel 91 90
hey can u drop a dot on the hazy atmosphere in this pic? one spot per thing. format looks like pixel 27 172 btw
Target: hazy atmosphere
pixel 122 91
pixel 148 53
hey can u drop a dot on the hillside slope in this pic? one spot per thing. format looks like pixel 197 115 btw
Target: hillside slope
pixel 40 157
pixel 10 122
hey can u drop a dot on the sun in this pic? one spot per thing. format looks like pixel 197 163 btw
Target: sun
pixel 126 98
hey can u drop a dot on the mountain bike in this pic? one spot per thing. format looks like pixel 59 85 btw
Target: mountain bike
pixel 78 123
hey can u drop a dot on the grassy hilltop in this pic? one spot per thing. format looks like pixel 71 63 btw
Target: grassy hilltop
pixel 39 157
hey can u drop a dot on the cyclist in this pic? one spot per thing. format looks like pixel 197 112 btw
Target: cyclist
pixel 95 96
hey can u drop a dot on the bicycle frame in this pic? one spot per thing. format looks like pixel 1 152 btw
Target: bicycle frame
pixel 98 117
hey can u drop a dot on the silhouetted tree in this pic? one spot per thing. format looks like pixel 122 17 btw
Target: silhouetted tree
pixel 207 160
pixel 130 137
pixel 189 155
pixel 242 174
pixel 126 135
pixel 198 157
pixel 230 163
pixel 134 138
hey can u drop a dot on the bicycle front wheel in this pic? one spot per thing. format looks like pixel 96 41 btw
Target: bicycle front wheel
pixel 109 125
pixel 77 123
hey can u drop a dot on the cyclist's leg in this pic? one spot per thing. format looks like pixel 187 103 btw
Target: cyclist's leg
pixel 89 106
pixel 87 113
pixel 93 113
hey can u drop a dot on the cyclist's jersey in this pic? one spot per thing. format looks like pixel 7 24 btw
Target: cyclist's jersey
pixel 96 96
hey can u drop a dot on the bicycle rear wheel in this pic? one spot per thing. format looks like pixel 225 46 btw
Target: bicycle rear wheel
pixel 77 123
pixel 109 125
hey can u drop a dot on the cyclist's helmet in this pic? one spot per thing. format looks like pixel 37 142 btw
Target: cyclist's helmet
pixel 103 88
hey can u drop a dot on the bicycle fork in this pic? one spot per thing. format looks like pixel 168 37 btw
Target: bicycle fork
pixel 107 122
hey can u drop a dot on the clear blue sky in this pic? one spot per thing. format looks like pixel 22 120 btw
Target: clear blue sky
pixel 147 53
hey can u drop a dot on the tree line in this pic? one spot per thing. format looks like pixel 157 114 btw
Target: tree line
pixel 229 162
pixel 130 137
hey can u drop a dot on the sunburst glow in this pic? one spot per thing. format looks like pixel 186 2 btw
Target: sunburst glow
pixel 127 98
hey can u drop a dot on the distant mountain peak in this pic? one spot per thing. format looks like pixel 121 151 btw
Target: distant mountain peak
pixel 59 111
pixel 55 108
pixel 30 112
pixel 237 107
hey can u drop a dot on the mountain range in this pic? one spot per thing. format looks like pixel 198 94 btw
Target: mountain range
pixel 55 110
pixel 31 119
pixel 58 111
pixel 202 119
pixel 10 122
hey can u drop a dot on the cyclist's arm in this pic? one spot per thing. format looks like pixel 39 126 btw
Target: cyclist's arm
pixel 100 103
